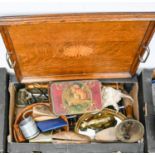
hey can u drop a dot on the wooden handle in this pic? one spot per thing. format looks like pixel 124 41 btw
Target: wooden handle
pixel 128 107
pixel 39 86
pixel 129 112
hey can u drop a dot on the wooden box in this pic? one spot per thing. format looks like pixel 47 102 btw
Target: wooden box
pixel 148 101
pixel 4 107
pixel 60 47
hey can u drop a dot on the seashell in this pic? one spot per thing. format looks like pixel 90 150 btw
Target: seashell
pixel 70 138
pixel 111 96
pixel 106 135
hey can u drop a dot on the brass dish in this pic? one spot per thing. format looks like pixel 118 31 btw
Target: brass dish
pixel 119 117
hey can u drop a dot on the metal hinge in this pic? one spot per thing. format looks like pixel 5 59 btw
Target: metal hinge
pixel 11 65
pixel 147 51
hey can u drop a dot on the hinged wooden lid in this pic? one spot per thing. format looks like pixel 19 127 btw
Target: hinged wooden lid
pixel 76 46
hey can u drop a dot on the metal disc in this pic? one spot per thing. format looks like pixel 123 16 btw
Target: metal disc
pixel 130 131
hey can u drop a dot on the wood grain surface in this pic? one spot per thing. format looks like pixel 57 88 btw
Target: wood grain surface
pixel 76 46
pixel 78 17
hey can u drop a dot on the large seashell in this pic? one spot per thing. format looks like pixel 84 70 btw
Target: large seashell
pixel 111 96
pixel 106 135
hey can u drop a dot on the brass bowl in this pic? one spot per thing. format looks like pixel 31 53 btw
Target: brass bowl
pixel 85 117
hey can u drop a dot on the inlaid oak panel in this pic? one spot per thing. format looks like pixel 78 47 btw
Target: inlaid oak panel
pixel 76 50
